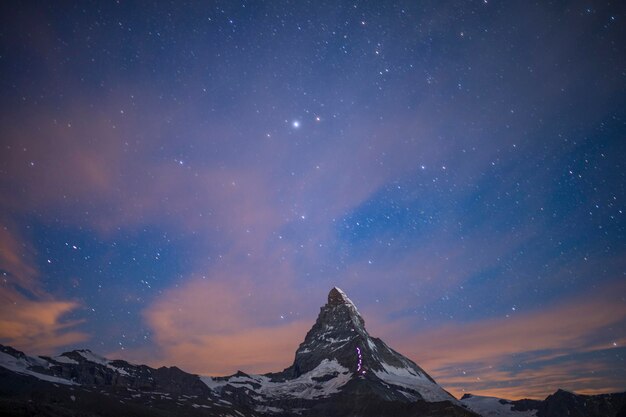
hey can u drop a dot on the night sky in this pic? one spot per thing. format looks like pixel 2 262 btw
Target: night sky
pixel 182 184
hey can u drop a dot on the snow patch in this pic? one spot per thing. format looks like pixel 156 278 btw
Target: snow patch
pixel 371 345
pixel 271 410
pixel 22 365
pixel 91 357
pixel 492 407
pixel 213 383
pixel 120 371
pixel 65 359
pixel 332 340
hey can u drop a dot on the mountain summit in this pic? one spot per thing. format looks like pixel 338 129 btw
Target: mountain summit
pixel 336 296
pixel 339 335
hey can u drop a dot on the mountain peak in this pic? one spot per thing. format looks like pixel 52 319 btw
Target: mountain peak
pixel 337 296
pixel 339 337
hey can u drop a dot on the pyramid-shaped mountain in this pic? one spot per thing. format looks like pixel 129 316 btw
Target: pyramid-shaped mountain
pixel 339 335
pixel 340 369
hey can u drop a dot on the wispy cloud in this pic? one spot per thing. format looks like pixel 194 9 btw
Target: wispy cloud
pixel 30 318
pixel 528 353
pixel 37 326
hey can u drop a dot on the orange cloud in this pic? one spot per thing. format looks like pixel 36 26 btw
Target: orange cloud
pixel 35 322
pixel 209 327
pixel 36 326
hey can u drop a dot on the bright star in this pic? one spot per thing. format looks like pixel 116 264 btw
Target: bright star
pixel 296 124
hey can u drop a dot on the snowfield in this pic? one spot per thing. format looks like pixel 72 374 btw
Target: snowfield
pixel 21 366
pixel 305 386
pixel 407 378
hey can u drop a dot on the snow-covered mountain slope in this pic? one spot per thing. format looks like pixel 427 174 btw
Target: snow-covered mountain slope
pixel 28 365
pixel 494 407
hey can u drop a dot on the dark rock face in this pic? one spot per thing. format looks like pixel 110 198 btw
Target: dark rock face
pixel 338 331
pixel 336 297
pixel 564 403
pixel 525 405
